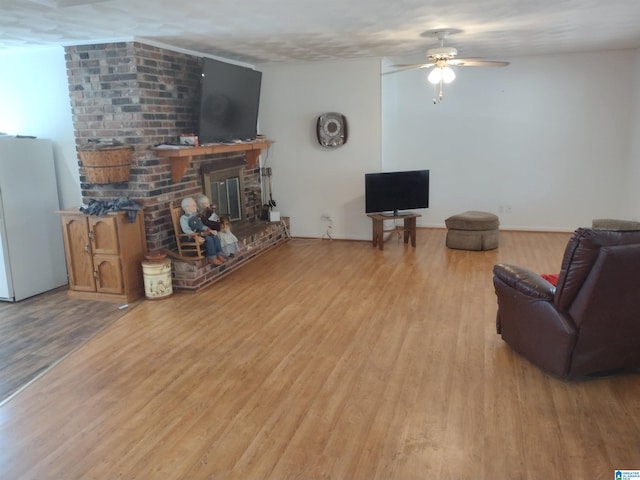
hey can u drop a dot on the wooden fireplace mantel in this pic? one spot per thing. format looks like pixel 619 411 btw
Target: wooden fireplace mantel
pixel 181 157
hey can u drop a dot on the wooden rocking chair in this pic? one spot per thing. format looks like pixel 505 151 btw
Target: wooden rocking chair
pixel 189 244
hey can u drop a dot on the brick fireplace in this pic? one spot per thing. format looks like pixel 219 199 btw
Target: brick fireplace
pixel 141 95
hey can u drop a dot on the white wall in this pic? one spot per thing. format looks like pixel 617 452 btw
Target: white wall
pixel 34 95
pixel 631 203
pixel 546 136
pixel 310 180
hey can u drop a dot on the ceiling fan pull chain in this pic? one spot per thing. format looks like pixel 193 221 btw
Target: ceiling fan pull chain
pixel 437 90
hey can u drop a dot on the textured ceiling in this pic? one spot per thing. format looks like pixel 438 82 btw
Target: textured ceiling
pixel 259 31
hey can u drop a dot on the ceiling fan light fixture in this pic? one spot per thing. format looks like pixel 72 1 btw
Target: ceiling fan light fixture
pixel 448 75
pixel 435 76
pixel 441 74
pixel 440 59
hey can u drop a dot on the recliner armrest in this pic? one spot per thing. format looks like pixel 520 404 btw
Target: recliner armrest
pixel 525 281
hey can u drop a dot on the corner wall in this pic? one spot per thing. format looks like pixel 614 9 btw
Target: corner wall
pixel 34 100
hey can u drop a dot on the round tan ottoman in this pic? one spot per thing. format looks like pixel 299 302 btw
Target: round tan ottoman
pixel 472 230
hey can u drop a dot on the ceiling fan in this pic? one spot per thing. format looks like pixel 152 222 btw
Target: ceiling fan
pixel 442 59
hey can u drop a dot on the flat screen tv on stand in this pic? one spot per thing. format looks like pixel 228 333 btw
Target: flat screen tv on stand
pixel 392 193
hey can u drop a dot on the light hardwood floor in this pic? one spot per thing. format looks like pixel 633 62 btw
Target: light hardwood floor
pixel 324 360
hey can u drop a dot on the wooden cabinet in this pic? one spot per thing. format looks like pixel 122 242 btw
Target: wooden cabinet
pixel 104 255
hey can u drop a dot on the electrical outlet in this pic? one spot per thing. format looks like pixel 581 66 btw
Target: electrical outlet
pixel 507 208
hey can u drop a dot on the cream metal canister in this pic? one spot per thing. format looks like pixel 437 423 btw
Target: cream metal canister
pixel 156 270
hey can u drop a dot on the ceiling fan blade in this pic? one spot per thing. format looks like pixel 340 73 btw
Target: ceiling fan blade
pixel 414 65
pixel 476 62
pixel 403 67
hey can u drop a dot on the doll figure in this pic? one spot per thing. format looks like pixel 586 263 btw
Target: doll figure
pixel 190 222
pixel 207 213
pixel 228 240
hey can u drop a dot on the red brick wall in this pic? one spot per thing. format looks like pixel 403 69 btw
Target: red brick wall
pixel 141 95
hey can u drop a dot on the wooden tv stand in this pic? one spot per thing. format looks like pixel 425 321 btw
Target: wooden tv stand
pixel 409 227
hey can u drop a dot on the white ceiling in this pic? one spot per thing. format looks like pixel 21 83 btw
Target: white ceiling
pixel 259 31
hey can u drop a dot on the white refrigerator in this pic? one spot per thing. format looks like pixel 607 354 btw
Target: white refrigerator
pixel 32 258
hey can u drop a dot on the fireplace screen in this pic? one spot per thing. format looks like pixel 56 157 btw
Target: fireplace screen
pixel 226 195
pixel 224 188
pixel 223 183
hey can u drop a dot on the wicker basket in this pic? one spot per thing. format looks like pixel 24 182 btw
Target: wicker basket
pixel 107 164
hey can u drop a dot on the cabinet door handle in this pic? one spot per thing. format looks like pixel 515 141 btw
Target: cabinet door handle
pixel 86 247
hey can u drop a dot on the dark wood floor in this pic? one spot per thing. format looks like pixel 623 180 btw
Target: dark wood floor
pixel 38 332
pixel 324 360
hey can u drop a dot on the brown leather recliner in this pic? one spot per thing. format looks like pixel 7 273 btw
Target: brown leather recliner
pixel 590 322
